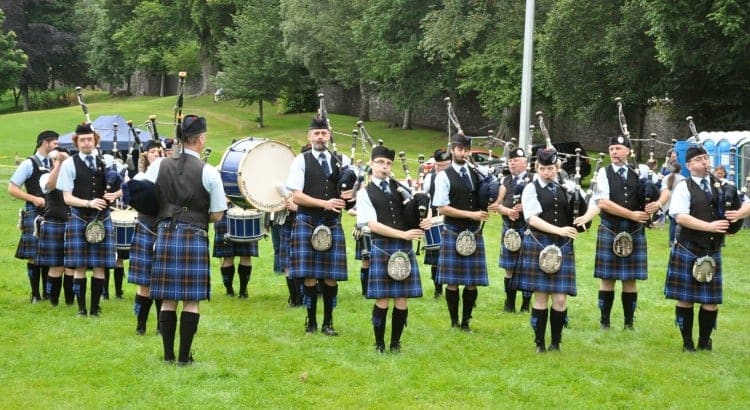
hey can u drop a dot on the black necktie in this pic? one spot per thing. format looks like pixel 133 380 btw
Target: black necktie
pixel 384 187
pixel 46 163
pixel 552 188
pixel 465 176
pixel 324 164
pixel 706 188
pixel 621 171
pixel 90 162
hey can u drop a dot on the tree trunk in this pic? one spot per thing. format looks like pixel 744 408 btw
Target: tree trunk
pixel 207 67
pixel 162 84
pixel 128 85
pixel 25 94
pixel 364 105
pixel 406 124
pixel 260 113
pixel 16 96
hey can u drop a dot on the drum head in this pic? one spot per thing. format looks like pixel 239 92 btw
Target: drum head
pixel 263 172
pixel 123 216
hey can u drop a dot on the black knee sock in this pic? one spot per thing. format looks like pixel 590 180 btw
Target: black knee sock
pixel 539 324
pixel 684 321
pixel 293 292
pixel 34 276
pixel 364 275
pixel 329 302
pixel 451 299
pixel 556 322
pixel 606 298
pixel 68 289
pixel 79 289
pixel 398 322
pixel 629 302
pixel 244 272
pixel 378 324
pixel 706 325
pixel 510 296
pixel 54 285
pixel 469 297
pixel 227 277
pixel 96 293
pixel 119 276
pixel 311 301
pixel 526 303
pixel 44 273
pixel 105 285
pixel 141 307
pixel 168 326
pixel 157 304
pixel 188 328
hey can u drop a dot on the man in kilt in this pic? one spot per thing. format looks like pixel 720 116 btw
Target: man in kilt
pixel 83 183
pixel 457 199
pixel 432 256
pixel 313 181
pixel 181 268
pixel 695 205
pixel 27 175
pixel 622 212
pixel 227 249
pixel 142 198
pixel 545 207
pixel 381 209
pixel 51 251
pixel 509 205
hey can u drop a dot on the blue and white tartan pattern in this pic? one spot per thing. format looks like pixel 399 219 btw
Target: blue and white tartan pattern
pixel 27 243
pixel 680 284
pixel 612 267
pixel 305 262
pixel 455 269
pixel 509 260
pixel 51 251
pixel 141 254
pixel 79 253
pixel 180 269
pixel 530 275
pixel 379 284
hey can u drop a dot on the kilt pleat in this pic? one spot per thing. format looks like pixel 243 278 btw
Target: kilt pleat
pixel 51 251
pixel 379 284
pixel 530 275
pixel 223 247
pixel 612 267
pixel 305 262
pixel 455 269
pixel 180 268
pixel 79 253
pixel 680 284
pixel 28 244
pixel 141 254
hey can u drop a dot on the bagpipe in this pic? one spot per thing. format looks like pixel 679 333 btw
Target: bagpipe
pixel 730 198
pixel 578 199
pixel 347 176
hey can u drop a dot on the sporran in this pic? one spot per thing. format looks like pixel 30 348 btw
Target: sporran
pixel 622 245
pixel 550 259
pixel 512 240
pixel 321 238
pixel 95 232
pixel 466 243
pixel 704 269
pixel 399 265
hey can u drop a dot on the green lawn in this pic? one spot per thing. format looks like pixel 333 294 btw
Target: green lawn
pixel 254 353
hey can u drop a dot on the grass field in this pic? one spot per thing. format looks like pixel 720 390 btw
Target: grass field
pixel 254 353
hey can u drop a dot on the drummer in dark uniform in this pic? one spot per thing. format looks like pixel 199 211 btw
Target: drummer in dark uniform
pixel 457 199
pixel 83 182
pixel 383 212
pixel 432 256
pixel 181 268
pixel 227 250
pixel 509 205
pixel 694 274
pixel 318 243
pixel 27 175
pixel 547 256
pixel 622 228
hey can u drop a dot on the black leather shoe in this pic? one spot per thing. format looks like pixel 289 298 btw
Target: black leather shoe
pixel 36 299
pixel 553 348
pixel 311 328
pixel 688 347
pixel 83 313
pixel 540 349
pixel 604 326
pixel 230 291
pixel 395 347
pixel 508 308
pixel 629 326
pixel 243 295
pixel 95 312
pixel 465 327
pixel 328 330
pixel 380 348
pixel 705 344
pixel 188 362
pixel 455 324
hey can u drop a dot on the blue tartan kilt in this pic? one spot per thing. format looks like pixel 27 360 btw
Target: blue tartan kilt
pixel 379 284
pixel 225 248
pixel 78 252
pixel 680 284
pixel 530 275
pixel 509 260
pixel 51 251
pixel 27 243
pixel 432 257
pixel 141 254
pixel 612 267
pixel 285 248
pixel 180 269
pixel 455 269
pixel 305 262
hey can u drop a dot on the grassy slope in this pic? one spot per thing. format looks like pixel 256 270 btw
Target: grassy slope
pixel 253 353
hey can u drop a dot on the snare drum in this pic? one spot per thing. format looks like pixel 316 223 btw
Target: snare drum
pixel 245 225
pixel 432 238
pixel 123 222
pixel 254 173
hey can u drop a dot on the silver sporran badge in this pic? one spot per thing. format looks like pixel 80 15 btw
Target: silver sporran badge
pixel 622 245
pixel 321 238
pixel 512 240
pixel 466 243
pixel 95 232
pixel 399 265
pixel 550 259
pixel 704 268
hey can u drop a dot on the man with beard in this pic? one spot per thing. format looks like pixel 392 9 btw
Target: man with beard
pixel 321 262
pixel 457 199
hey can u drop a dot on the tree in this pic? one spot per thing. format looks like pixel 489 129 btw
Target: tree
pixel 705 45
pixel 106 61
pixel 12 59
pixel 256 67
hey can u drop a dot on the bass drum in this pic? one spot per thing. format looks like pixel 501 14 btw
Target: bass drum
pixel 254 173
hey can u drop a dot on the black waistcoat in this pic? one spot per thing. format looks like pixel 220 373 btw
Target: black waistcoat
pixel 554 206
pixel 88 184
pixel 461 197
pixel 388 208
pixel 318 186
pixel 180 191
pixel 623 193
pixel 706 210
pixel 32 183
pixel 511 187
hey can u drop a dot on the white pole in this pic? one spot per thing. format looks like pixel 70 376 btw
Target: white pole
pixel 527 76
